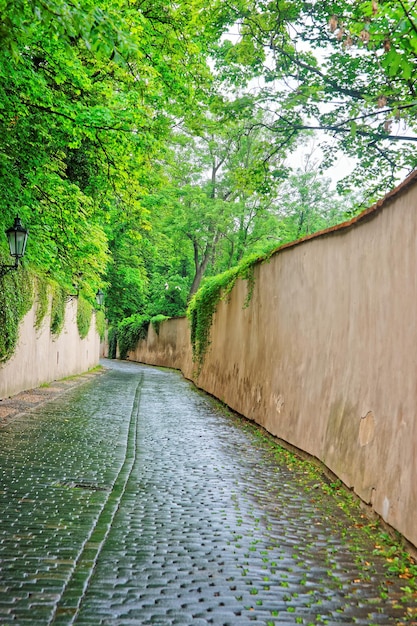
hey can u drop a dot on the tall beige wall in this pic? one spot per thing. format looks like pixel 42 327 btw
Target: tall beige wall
pixel 41 358
pixel 325 355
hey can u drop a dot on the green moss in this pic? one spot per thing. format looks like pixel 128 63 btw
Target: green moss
pixel 57 309
pixel 101 324
pixel 84 314
pixel 16 299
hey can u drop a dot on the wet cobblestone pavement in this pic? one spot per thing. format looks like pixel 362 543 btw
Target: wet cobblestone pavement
pixel 131 499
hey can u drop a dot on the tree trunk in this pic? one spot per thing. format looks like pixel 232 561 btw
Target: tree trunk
pixel 201 265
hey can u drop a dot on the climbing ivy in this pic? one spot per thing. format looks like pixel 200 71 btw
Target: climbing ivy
pixel 57 309
pixel 112 342
pixel 19 289
pixel 203 304
pixel 101 324
pixel 130 331
pixel 16 298
pixel 42 300
pixel 84 314
pixel 156 322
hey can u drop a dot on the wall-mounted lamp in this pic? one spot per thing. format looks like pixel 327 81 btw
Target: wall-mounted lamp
pixel 100 297
pixel 17 237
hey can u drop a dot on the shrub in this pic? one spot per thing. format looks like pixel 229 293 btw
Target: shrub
pixel 130 331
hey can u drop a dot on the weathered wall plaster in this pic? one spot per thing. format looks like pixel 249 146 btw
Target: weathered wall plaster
pixel 40 357
pixel 324 356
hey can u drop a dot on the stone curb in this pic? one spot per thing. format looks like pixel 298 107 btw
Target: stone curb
pixel 25 401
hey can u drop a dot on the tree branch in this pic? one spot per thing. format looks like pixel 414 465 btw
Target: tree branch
pixel 379 112
pixel 40 107
pixel 413 25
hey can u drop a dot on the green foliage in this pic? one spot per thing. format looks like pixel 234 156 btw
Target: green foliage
pixel 16 298
pixel 135 161
pixel 204 303
pixel 87 97
pixel 168 295
pixel 112 337
pixel 101 324
pixel 130 331
pixel 42 300
pixel 84 314
pixel 57 309
pixel 156 322
pixel 306 204
pixel 342 68
pixel 223 173
pixel 126 275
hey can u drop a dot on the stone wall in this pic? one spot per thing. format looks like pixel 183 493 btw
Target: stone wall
pixel 41 358
pixel 324 357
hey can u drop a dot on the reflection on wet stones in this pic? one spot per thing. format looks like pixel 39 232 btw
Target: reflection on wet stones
pixel 81 484
pixel 121 507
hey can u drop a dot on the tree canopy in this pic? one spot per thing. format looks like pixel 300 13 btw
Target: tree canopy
pixel 345 68
pixel 145 143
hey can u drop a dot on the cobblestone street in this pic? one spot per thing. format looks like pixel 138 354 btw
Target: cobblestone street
pixel 132 499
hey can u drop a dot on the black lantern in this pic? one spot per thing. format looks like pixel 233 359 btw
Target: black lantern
pixel 100 297
pixel 17 237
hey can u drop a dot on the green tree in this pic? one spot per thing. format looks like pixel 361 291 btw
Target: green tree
pixel 222 174
pixel 306 204
pixel 88 96
pixel 346 69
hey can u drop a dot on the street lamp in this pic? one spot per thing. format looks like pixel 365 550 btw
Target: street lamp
pixel 17 237
pixel 100 297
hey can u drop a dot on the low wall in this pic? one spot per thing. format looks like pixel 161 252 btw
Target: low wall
pixel 324 357
pixel 40 357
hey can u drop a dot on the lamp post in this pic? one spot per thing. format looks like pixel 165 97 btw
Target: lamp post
pixel 100 297
pixel 17 237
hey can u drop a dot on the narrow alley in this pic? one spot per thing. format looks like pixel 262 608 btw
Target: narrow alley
pixel 135 499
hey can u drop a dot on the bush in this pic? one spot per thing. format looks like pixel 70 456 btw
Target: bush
pixel 130 331
pixel 112 342
pixel 156 322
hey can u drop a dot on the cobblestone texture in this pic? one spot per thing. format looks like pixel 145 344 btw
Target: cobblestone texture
pixel 131 500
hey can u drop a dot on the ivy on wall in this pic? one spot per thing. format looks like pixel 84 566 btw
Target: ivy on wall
pixel 42 300
pixel 101 324
pixel 16 299
pixel 57 309
pixel 204 303
pixel 156 322
pixel 18 292
pixel 84 314
pixel 130 331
